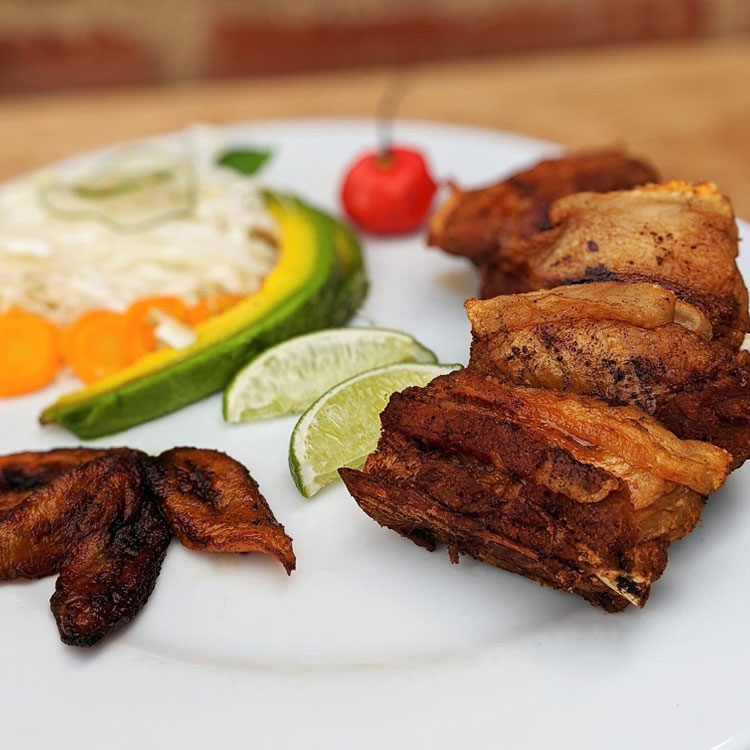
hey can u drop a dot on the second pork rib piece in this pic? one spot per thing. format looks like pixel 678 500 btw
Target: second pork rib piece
pixel 563 489
pixel 625 343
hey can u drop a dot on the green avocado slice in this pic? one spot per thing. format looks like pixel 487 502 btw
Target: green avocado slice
pixel 318 282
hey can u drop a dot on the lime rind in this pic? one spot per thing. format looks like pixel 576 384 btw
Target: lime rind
pixel 290 376
pixel 342 427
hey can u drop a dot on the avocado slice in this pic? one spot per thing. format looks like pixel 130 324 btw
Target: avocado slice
pixel 319 281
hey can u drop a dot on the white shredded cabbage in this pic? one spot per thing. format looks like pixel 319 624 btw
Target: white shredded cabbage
pixel 61 267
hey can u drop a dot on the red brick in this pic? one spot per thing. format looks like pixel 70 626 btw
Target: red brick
pixel 45 61
pixel 240 45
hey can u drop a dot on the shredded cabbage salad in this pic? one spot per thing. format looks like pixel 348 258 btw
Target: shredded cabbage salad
pixel 216 237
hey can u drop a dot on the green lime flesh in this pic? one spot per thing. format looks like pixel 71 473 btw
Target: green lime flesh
pixel 288 377
pixel 342 427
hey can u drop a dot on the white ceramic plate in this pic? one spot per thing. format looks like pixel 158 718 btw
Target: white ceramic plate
pixel 373 642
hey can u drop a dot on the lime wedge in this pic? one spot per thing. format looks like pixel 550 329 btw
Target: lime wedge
pixel 287 378
pixel 342 427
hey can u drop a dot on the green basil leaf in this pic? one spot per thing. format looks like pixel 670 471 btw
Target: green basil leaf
pixel 245 160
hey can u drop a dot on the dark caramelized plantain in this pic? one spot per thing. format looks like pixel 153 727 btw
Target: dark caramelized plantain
pixel 212 503
pixel 94 517
pixel 22 473
pixel 37 536
pixel 108 576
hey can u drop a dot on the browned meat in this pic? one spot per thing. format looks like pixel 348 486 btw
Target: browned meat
pixel 476 223
pixel 22 473
pixel 212 503
pixel 717 412
pixel 679 236
pixel 579 219
pixel 109 575
pixel 37 536
pixel 563 489
pixel 545 456
pixel 625 343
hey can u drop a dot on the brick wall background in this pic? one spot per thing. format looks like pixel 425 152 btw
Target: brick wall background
pixel 47 44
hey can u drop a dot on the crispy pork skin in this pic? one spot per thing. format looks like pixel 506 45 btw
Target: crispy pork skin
pixel 212 503
pixel 564 489
pixel 476 223
pixel 631 344
pixel 680 236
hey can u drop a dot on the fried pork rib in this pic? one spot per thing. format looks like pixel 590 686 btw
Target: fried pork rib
pixel 212 503
pixel 632 344
pixel 564 489
pixel 584 218
pixel 682 237
pixel 477 223
pixel 549 456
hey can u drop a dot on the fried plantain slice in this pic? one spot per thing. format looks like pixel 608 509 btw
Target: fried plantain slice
pixel 212 503
pixel 11 499
pixel 108 577
pixel 36 536
pixel 22 473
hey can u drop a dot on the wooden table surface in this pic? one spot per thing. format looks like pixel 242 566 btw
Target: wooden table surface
pixel 685 106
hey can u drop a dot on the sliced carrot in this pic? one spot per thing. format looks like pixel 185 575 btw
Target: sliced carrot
pixel 95 345
pixel 140 327
pixel 210 306
pixel 29 352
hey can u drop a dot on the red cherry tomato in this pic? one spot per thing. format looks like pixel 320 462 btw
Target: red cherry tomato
pixel 388 193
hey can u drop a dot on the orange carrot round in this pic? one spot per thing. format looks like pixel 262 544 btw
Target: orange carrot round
pixel 140 327
pixel 95 345
pixel 29 352
pixel 210 306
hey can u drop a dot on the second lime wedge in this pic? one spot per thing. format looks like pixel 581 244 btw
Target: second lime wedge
pixel 287 378
pixel 342 427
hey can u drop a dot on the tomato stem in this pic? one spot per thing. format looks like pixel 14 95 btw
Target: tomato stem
pixel 385 115
pixel 385 157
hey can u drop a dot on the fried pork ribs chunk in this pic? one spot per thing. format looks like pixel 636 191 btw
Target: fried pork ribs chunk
pixel 584 218
pixel 477 223
pixel 634 344
pixel 563 489
pixel 212 503
pixel 680 236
